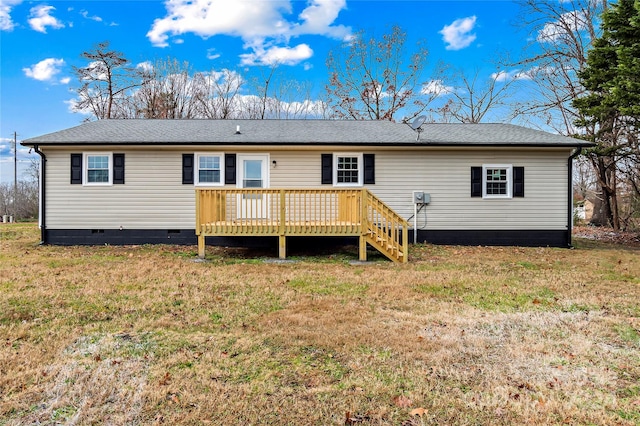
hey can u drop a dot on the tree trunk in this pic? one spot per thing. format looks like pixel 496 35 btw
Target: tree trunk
pixel 605 209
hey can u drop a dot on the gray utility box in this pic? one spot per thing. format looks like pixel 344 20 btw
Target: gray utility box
pixel 421 197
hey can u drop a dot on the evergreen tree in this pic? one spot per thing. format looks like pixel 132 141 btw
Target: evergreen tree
pixel 627 85
pixel 608 107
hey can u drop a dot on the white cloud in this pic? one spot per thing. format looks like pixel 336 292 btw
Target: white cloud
pixel 6 148
pixel 260 24
pixel 40 18
pixel 6 24
pixel 436 87
pixel 277 55
pixel 65 80
pixel 458 35
pixel 211 54
pixel 85 14
pixel 44 70
pixel 145 66
pixel 96 71
pixel 568 23
pixel 318 17
pixel 502 76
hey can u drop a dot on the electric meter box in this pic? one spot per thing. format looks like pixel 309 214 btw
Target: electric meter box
pixel 421 197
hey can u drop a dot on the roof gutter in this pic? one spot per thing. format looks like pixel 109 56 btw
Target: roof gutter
pixel 43 195
pixel 285 144
pixel 577 152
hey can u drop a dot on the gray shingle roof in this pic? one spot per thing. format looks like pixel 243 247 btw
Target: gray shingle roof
pixel 297 132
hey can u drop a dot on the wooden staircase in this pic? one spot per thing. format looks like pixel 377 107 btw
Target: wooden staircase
pixel 385 230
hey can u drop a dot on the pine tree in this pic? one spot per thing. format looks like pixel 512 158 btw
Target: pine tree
pixel 608 107
pixel 627 85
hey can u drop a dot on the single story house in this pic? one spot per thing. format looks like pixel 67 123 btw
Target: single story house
pixel 141 181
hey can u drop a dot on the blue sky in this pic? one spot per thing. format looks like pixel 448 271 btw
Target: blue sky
pixel 41 42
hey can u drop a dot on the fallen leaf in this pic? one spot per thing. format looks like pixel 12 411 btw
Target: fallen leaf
pixel 402 401
pixel 165 380
pixel 352 419
pixel 418 412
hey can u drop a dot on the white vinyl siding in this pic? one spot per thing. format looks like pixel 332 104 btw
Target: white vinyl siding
pixel 445 175
pixel 154 197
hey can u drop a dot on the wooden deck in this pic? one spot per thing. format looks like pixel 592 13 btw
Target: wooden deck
pixel 301 212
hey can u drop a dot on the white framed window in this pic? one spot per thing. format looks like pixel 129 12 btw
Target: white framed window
pixel 347 169
pixel 497 180
pixel 98 168
pixel 209 169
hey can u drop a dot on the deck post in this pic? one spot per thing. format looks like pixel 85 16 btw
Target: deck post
pixel 363 249
pixel 199 232
pixel 405 243
pixel 282 247
pixel 364 225
pixel 201 246
pixel 282 239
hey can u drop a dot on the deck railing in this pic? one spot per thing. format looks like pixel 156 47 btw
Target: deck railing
pixel 301 212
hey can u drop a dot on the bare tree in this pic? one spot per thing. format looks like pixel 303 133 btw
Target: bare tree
pixel 471 99
pixel 105 82
pixel 217 94
pixel 21 202
pixel 562 35
pixel 168 91
pixel 277 96
pixel 259 105
pixel 372 79
pixel 584 180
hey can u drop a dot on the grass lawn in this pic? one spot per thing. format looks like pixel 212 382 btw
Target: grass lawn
pixel 459 335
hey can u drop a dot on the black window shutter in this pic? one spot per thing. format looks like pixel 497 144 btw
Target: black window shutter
pixel 76 169
pixel 369 168
pixel 118 168
pixel 187 169
pixel 327 169
pixel 230 169
pixel 518 181
pixel 476 181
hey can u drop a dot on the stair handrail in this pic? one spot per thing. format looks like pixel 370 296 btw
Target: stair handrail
pixel 392 236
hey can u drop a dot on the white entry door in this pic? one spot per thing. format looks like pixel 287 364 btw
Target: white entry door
pixel 253 173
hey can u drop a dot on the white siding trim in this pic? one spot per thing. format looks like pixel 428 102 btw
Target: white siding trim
pixel 359 156
pixel 196 168
pixel 85 168
pixel 509 182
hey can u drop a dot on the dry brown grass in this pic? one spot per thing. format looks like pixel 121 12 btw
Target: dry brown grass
pixel 460 335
